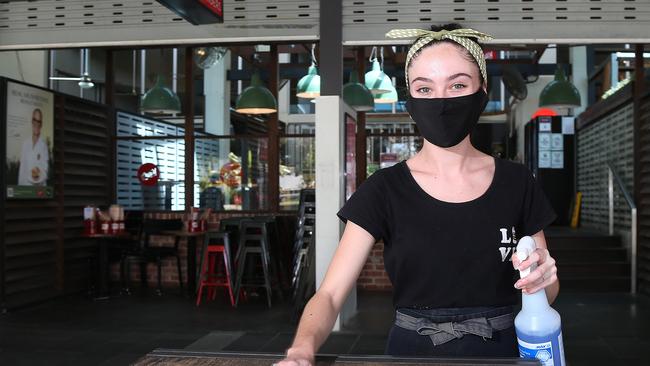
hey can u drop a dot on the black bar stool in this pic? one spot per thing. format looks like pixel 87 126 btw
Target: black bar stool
pixel 253 242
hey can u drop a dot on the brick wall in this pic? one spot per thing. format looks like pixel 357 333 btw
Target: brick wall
pixel 373 276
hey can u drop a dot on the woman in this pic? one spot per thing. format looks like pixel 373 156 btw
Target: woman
pixel 449 217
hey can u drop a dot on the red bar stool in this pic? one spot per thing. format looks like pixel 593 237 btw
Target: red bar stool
pixel 209 276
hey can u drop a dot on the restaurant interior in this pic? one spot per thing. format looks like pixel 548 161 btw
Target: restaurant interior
pixel 172 210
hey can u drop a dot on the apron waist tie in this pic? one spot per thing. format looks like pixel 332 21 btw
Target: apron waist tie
pixel 440 333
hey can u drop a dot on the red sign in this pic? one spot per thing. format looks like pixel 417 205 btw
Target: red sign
pixel 216 6
pixel 148 174
pixel 197 12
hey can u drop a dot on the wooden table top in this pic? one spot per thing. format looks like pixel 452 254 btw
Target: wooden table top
pixel 116 236
pixel 188 358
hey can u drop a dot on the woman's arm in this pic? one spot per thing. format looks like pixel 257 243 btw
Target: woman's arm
pixel 545 276
pixel 320 313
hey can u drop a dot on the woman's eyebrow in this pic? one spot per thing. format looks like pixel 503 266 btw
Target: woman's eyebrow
pixel 420 78
pixel 451 77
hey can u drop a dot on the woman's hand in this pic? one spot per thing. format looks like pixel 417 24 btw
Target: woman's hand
pixel 297 357
pixel 543 276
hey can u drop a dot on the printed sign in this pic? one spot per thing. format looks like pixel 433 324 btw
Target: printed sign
pixel 30 140
pixel 557 141
pixel 544 141
pixel 568 125
pixel 557 159
pixel 148 174
pixel 544 159
pixel 545 126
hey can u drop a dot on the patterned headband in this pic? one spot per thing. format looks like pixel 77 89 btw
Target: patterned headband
pixel 459 36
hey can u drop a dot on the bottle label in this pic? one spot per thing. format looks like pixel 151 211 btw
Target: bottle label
pixel 548 353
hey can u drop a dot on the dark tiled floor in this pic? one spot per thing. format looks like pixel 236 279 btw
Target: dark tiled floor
pixel 599 329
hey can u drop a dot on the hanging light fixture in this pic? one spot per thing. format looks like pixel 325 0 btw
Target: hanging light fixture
pixel 376 81
pixel 309 85
pixel 256 99
pixel 391 95
pixel 160 99
pixel 356 95
pixel 559 93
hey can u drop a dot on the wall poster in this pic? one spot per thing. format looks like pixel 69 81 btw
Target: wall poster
pixel 29 165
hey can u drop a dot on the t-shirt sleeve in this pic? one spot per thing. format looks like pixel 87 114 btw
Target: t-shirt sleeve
pixel 367 207
pixel 537 212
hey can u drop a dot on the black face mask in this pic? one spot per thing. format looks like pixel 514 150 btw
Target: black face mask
pixel 445 122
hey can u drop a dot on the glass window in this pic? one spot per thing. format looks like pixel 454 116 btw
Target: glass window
pixel 297 171
pixel 168 155
pixel 389 143
pixel 131 125
pixel 231 173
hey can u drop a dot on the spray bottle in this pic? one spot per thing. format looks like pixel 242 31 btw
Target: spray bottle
pixel 538 325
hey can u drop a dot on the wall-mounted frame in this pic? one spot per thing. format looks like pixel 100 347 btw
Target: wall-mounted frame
pixel 28 124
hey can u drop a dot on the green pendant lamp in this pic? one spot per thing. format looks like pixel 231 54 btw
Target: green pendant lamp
pixel 256 99
pixel 356 95
pixel 309 85
pixel 160 100
pixel 376 81
pixel 388 97
pixel 559 92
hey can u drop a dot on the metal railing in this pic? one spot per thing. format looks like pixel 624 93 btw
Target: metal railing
pixel 613 176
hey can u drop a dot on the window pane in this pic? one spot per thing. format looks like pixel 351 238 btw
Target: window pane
pixel 129 125
pixel 297 159
pixel 169 156
pixel 231 174
pixel 390 148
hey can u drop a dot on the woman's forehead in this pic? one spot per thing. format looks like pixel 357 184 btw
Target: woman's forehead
pixel 441 60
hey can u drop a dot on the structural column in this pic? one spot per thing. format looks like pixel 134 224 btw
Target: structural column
pixel 330 148
pixel 274 137
pixel 188 106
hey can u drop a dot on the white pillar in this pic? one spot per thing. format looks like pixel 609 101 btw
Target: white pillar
pixel 330 189
pixel 216 89
pixel 580 76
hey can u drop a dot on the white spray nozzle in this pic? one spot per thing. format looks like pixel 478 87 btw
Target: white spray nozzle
pixel 525 247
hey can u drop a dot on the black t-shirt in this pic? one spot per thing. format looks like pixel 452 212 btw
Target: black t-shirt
pixel 440 254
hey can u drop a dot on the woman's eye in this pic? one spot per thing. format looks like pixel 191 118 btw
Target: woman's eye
pixel 423 90
pixel 458 86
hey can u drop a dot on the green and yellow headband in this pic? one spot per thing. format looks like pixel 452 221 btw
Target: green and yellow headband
pixel 459 36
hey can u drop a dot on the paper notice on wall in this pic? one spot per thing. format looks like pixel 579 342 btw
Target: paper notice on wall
pixel 557 142
pixel 568 125
pixel 544 141
pixel 557 159
pixel 544 159
pixel 545 126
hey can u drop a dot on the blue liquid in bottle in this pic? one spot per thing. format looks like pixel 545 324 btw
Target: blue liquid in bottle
pixel 538 325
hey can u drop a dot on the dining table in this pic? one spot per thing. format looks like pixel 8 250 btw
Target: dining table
pixel 191 239
pixel 104 242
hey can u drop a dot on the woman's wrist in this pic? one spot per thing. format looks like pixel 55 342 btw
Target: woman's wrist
pixel 301 351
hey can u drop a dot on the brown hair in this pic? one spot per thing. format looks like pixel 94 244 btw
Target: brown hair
pixel 465 52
